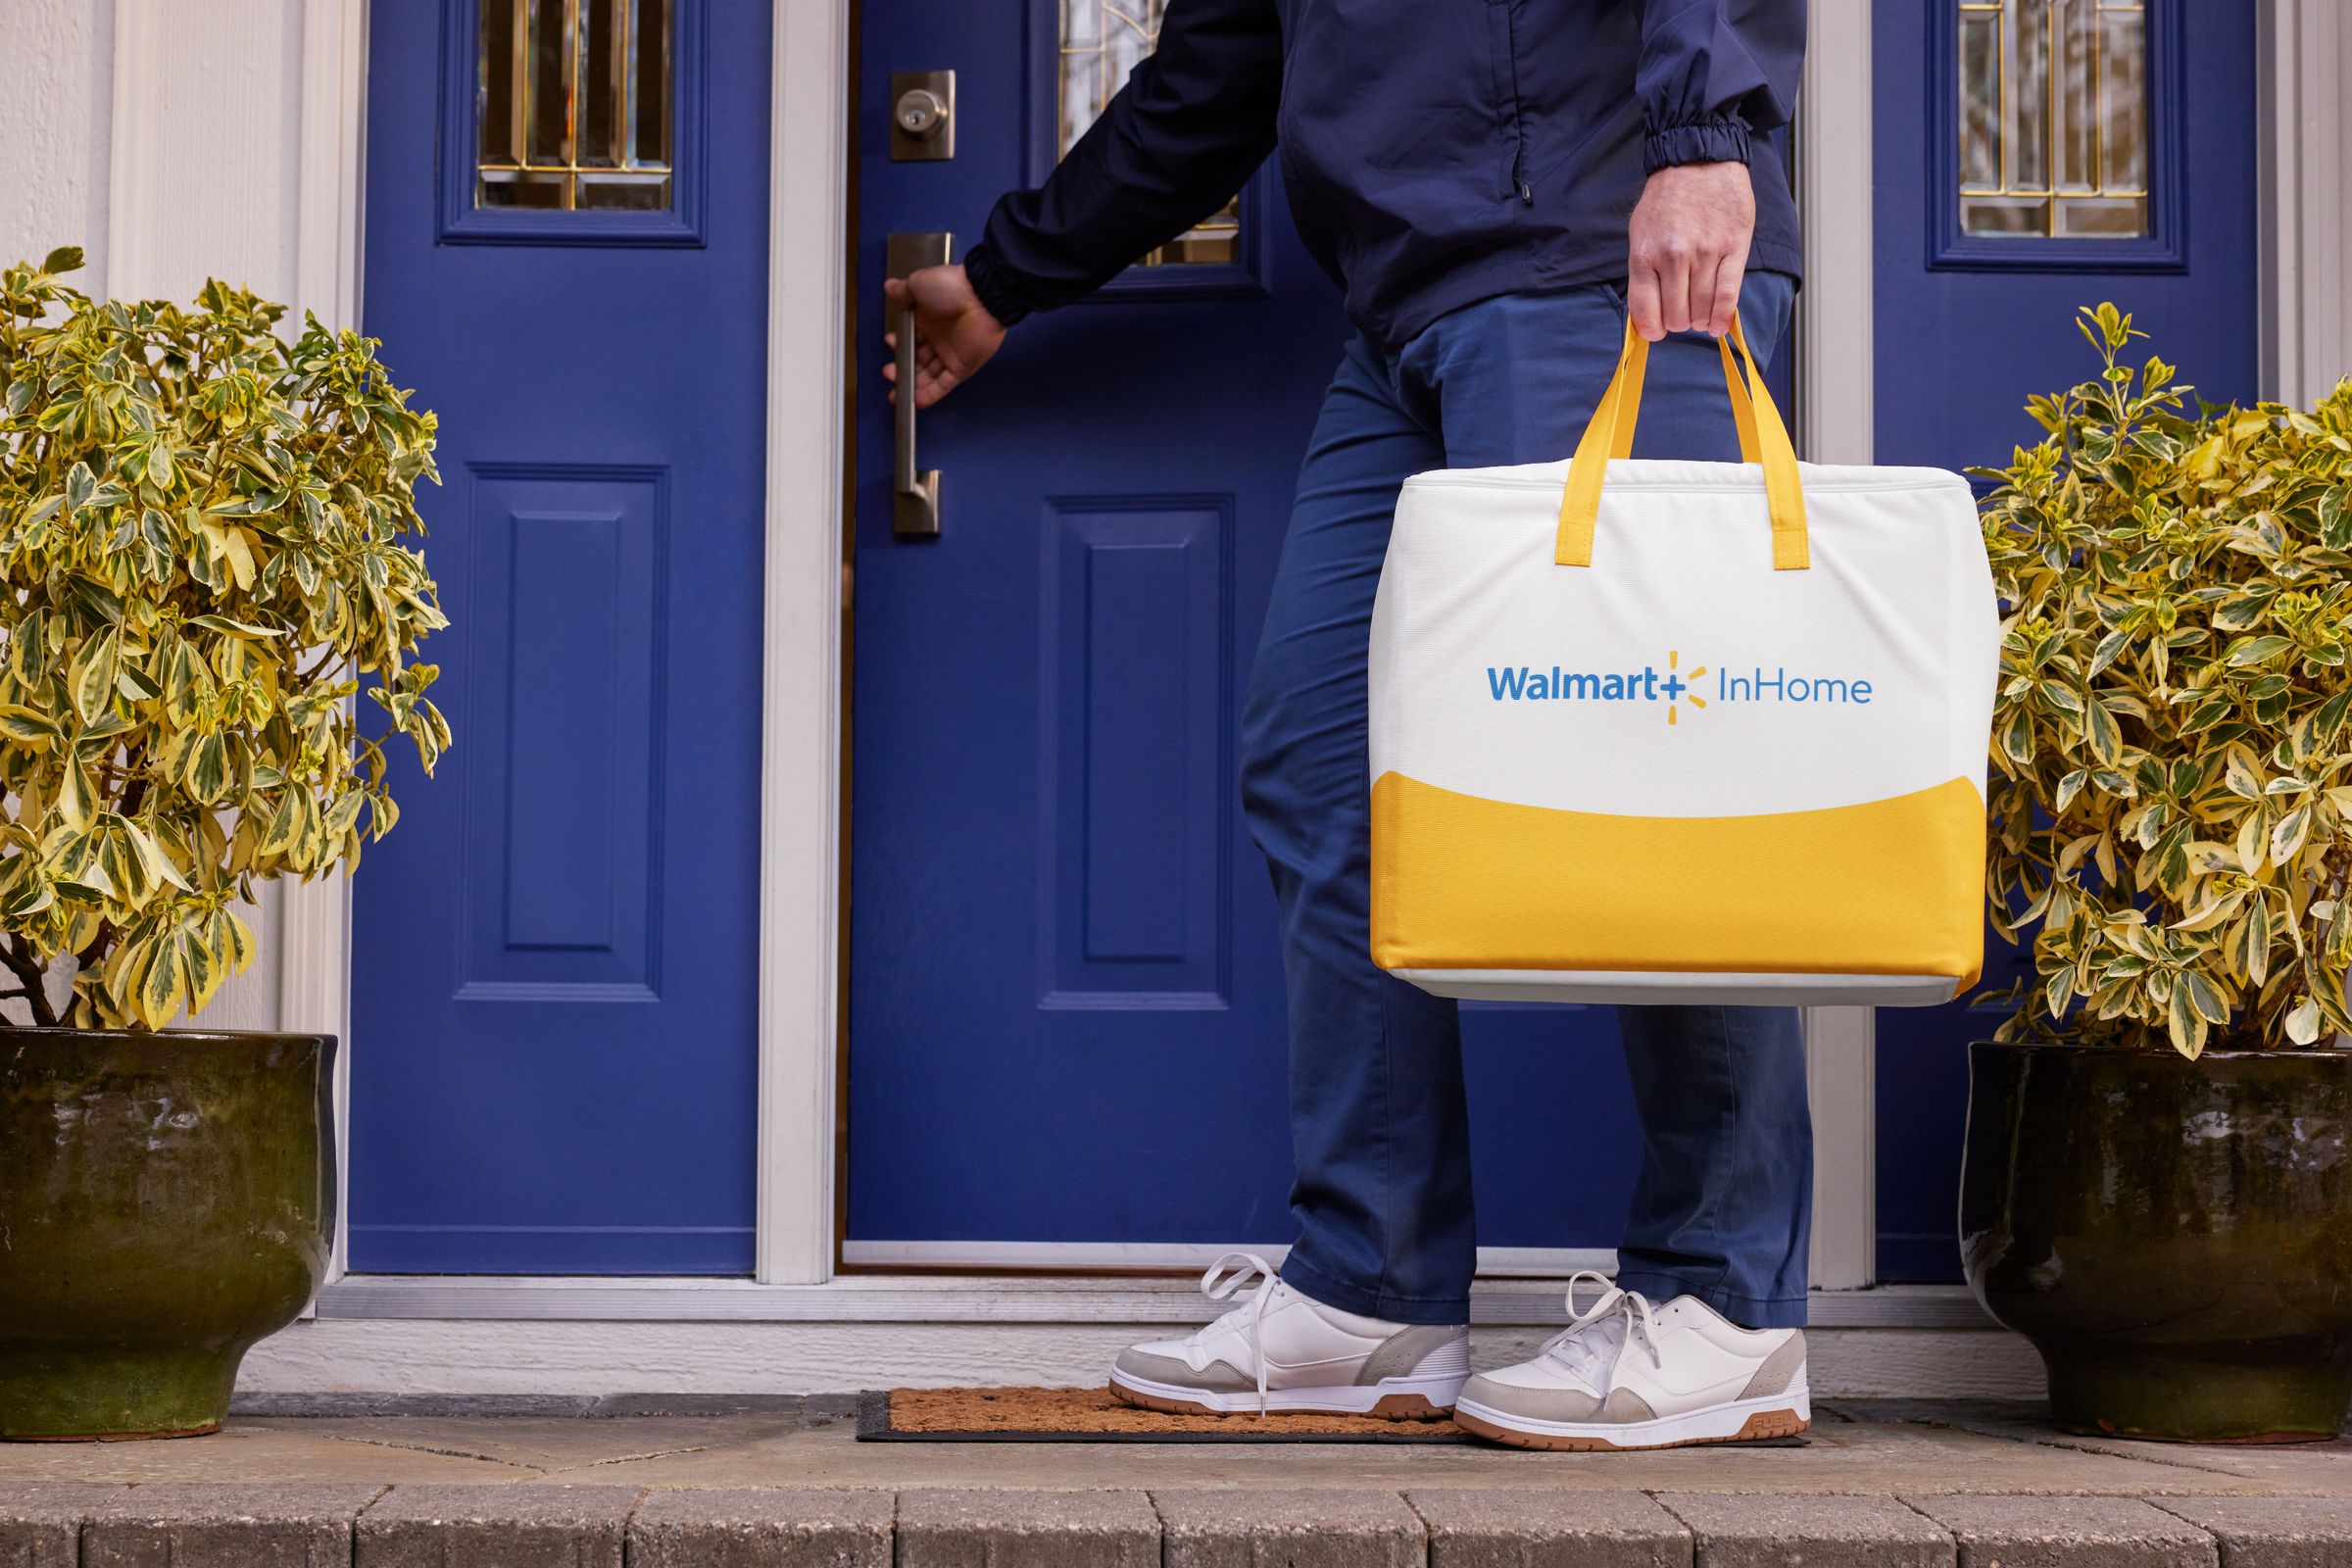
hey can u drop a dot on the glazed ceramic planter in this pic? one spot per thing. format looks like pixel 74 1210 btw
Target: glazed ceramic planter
pixel 2174 1237
pixel 165 1200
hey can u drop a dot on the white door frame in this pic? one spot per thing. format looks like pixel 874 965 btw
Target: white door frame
pixel 1836 411
pixel 809 387
pixel 802 712
pixel 2304 59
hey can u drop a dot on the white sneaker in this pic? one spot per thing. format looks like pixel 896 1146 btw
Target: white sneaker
pixel 1283 1351
pixel 1630 1375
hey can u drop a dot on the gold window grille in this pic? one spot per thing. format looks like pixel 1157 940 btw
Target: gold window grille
pixel 1101 42
pixel 2054 119
pixel 573 101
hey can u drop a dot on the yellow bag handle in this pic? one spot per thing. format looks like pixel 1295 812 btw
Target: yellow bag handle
pixel 1763 440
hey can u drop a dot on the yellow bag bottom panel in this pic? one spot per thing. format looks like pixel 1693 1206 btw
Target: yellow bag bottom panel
pixel 1887 887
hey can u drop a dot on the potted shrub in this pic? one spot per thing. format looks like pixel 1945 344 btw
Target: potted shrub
pixel 200 533
pixel 2158 1179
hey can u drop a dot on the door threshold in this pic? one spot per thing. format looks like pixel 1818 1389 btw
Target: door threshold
pixel 932 1297
pixel 1116 1257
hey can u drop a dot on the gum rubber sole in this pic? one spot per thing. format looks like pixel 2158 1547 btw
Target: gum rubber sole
pixel 1391 1408
pixel 1760 1425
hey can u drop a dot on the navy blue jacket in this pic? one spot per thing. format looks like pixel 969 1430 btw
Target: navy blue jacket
pixel 1436 152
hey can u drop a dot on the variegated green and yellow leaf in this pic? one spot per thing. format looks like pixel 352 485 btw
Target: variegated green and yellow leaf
pixel 2173 725
pixel 204 527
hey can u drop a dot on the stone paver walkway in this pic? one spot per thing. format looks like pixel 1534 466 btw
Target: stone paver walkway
pixel 641 1481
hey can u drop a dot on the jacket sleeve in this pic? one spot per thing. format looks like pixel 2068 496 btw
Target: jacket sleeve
pixel 1194 121
pixel 1713 72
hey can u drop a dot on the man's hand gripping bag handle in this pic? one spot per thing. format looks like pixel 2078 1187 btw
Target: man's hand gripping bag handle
pixel 1763 439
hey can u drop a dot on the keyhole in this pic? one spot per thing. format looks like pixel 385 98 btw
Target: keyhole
pixel 921 113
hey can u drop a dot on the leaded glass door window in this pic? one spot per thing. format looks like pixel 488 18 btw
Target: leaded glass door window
pixel 574 105
pixel 2055 144
pixel 571 122
pixel 2054 118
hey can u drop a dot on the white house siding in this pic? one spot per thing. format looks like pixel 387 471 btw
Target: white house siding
pixel 176 141
pixel 167 139
pixel 56 67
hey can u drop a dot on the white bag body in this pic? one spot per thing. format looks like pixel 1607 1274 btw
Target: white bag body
pixel 1678 773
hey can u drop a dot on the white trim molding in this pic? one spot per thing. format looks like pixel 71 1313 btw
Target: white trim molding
pixel 329 170
pixel 1841 1081
pixel 234 150
pixel 313 929
pixel 1835 420
pixel 1836 346
pixel 2305 64
pixel 801 712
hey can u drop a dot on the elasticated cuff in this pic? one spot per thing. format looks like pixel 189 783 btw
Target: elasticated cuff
pixel 1748 1312
pixel 1723 140
pixel 1308 1281
pixel 999 289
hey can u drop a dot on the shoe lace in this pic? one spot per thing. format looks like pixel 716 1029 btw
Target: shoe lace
pixel 1605 1329
pixel 1226 1278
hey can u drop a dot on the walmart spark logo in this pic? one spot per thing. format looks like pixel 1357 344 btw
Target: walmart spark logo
pixel 1525 683
pixel 1674 687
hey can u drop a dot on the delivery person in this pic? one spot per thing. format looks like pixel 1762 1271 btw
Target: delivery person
pixel 1495 184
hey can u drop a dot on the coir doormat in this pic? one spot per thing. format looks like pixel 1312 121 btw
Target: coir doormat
pixel 1092 1415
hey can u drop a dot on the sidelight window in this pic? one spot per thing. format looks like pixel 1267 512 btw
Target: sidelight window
pixel 2054 120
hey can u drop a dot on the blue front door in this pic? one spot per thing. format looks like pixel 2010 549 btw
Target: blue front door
pixel 2032 155
pixel 1065 1003
pixel 553 1040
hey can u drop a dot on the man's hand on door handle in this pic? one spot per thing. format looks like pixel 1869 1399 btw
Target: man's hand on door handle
pixel 954 333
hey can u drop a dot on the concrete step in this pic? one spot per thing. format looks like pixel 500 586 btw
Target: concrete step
pixel 647 1480
pixel 79 1525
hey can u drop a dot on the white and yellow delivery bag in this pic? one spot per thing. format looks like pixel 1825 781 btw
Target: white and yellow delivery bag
pixel 1660 731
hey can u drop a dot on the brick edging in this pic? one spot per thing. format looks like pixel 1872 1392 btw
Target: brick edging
pixel 535 1525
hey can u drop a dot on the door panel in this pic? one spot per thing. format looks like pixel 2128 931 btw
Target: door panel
pixel 1066 1015
pixel 2129 177
pixel 553 1058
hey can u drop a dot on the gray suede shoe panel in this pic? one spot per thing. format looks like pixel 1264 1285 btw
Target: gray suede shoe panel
pixel 1779 1371
pixel 1626 1405
pixel 1557 1404
pixel 1403 1352
pixel 1216 1378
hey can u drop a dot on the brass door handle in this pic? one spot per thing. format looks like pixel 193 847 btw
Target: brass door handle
pixel 914 498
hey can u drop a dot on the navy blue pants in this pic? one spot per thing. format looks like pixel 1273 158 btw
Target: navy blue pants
pixel 1722 1206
